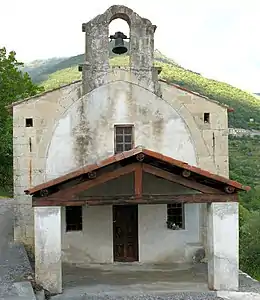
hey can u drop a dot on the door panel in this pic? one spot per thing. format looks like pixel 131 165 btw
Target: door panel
pixel 125 232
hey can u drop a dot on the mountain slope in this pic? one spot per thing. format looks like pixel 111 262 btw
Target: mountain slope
pixel 246 105
pixel 40 69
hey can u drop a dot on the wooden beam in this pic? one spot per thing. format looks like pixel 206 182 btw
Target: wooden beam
pixel 139 180
pixel 180 180
pixel 193 198
pixel 145 199
pixel 70 193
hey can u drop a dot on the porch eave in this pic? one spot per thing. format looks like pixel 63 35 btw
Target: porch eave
pixel 135 199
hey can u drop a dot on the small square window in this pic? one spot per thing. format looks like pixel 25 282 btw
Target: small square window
pixel 175 216
pixel 29 122
pixel 206 117
pixel 123 138
pixel 73 218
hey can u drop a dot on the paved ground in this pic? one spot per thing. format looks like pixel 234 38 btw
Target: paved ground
pixel 135 281
pixel 135 275
pixel 14 264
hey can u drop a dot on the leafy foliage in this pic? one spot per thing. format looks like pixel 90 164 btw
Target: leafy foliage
pixel 249 244
pixel 244 159
pixel 14 85
pixel 244 167
pixel 60 78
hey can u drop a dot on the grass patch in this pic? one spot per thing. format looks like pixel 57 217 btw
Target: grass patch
pixel 5 194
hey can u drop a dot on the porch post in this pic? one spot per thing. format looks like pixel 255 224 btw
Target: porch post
pixel 223 236
pixel 48 268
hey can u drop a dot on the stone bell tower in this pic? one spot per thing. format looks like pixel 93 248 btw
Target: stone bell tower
pixel 96 69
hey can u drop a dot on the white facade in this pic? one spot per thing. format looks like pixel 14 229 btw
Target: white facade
pixel 158 127
pixel 157 243
pixel 84 133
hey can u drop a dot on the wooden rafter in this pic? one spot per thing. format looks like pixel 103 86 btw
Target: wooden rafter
pixel 70 193
pixel 146 155
pixel 180 180
pixel 139 180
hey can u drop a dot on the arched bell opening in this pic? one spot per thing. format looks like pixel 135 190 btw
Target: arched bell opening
pixel 119 46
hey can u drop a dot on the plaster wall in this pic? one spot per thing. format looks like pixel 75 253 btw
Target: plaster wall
pixel 29 150
pixel 157 243
pixel 223 246
pixel 85 133
pixel 48 247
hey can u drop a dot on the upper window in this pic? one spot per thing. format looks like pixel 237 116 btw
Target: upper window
pixel 206 118
pixel 175 216
pixel 123 138
pixel 29 122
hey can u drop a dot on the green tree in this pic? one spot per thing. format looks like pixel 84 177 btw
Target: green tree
pixel 250 245
pixel 14 85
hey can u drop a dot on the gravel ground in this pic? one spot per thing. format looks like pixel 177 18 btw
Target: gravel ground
pixel 248 284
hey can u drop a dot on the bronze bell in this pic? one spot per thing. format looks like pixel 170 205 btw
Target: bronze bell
pixel 119 47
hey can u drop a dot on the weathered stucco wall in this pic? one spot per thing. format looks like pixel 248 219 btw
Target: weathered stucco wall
pixel 85 133
pixel 29 150
pixel 48 267
pixel 95 242
pixel 157 243
pixel 71 130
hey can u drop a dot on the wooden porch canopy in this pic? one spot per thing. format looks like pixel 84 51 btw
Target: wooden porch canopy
pixel 65 190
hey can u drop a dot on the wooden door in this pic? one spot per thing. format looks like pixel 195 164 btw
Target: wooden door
pixel 125 233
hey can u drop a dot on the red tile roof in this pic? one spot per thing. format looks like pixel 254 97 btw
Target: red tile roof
pixel 122 156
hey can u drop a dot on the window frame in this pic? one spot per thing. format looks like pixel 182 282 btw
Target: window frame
pixel 169 223
pixel 116 126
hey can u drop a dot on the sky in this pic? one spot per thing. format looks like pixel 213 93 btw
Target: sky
pixel 218 38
